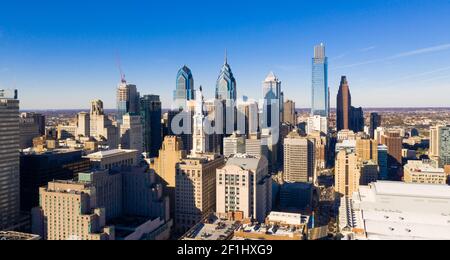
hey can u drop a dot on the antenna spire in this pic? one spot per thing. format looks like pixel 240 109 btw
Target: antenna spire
pixel 226 56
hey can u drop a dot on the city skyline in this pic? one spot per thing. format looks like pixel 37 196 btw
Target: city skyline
pixel 81 56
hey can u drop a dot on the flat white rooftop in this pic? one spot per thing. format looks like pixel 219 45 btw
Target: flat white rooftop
pixel 411 189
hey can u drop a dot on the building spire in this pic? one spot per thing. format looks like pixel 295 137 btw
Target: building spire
pixel 226 56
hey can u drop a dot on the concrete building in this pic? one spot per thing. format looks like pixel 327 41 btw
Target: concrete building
pixel 66 132
pixel 321 149
pixel 131 134
pixel 113 158
pixel 9 159
pixel 29 129
pixel 253 145
pixel 195 193
pixel 351 172
pixel 317 123
pixel 393 141
pixel 164 166
pixel 400 211
pixel 244 188
pixel 299 157
pixel 290 115
pixel 235 144
pixel 101 127
pixel 367 149
pixel 39 168
pixel 83 124
pixel 425 172
pixel 68 211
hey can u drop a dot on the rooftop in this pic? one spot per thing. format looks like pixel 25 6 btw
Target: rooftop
pixel 109 153
pixel 212 228
pixel 411 189
pixel 11 235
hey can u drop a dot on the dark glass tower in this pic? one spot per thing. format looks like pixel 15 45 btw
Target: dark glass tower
pixel 151 113
pixel 344 103
pixel 375 122
pixel 184 87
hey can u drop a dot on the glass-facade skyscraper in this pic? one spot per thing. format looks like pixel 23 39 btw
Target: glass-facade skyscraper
pixel 320 105
pixel 184 88
pixel 127 100
pixel 226 83
pixel 151 112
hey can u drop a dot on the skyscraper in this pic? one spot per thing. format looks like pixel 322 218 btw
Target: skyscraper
pixel 375 122
pixel 164 166
pixel 9 159
pixel 83 124
pixel 226 83
pixel 234 144
pixel 195 193
pixel 273 96
pixel 320 91
pixel 444 146
pixel 299 158
pixel 185 90
pixel 290 115
pixel 344 103
pixel 131 133
pixel 127 100
pixel 199 137
pixel 347 173
pixel 393 141
pixel 101 127
pixel 151 113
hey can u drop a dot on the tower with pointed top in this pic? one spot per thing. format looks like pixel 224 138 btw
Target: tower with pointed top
pixel 226 83
pixel 185 90
pixel 199 138
pixel 272 93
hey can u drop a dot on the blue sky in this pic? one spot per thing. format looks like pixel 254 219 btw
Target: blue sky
pixel 62 54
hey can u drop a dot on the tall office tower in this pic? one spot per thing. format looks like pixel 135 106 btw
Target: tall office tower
pixel 40 121
pixel 250 112
pixel 151 112
pixel 253 145
pixel 9 159
pixel 344 105
pixel 29 129
pixel 244 188
pixel 367 149
pixel 108 186
pixel 131 133
pixel 375 122
pixel 69 211
pixel 435 141
pixel 379 132
pixel 185 90
pixel 127 100
pixel 212 112
pixel 317 123
pixel 444 146
pixel 37 169
pixel 83 124
pixel 290 115
pixel 226 83
pixel 101 127
pixel 383 162
pixel 394 143
pixel 347 173
pixel 320 141
pixel 233 145
pixel 164 165
pixel 320 91
pixel 273 96
pixel 199 137
pixel 357 119
pixel 195 193
pixel 270 149
pixel 299 157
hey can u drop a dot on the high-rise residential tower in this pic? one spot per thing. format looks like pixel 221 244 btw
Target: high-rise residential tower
pixel 344 106
pixel 299 157
pixel 9 159
pixel 320 91
pixel 151 112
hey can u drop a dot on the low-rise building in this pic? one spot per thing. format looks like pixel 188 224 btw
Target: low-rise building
pixel 113 158
pixel 424 172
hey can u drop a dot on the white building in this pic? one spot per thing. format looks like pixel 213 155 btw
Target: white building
pixel 317 123
pixel 131 133
pixel 244 185
pixel 235 144
pixel 113 158
pixel 399 211
pixel 424 172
